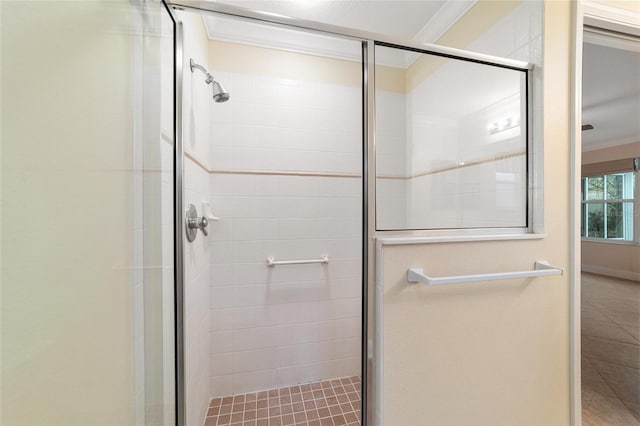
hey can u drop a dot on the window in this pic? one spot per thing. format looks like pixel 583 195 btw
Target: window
pixel 452 143
pixel 607 206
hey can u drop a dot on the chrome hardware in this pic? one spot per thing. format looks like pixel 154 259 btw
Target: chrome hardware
pixel 193 222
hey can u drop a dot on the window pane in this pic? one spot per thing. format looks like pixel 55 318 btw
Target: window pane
pixel 615 220
pixel 595 188
pixel 614 186
pixel 595 220
pixel 584 219
pixel 627 214
pixel 628 185
pixel 451 143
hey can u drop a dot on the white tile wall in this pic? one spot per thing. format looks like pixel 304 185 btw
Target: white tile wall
pixel 282 124
pixel 518 35
pixel 287 324
pixel 439 138
pixel 391 160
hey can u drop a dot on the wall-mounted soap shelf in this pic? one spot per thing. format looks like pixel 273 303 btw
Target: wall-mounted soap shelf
pixel 207 212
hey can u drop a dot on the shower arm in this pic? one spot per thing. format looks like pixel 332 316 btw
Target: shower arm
pixel 208 76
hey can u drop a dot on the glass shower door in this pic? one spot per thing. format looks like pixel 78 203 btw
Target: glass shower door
pixel 274 290
pixel 86 213
pixel 155 146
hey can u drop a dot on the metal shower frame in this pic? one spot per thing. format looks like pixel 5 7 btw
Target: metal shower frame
pixel 371 385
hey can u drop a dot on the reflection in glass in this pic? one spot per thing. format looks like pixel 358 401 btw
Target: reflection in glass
pixel 615 224
pixel 614 186
pixel 627 221
pixel 451 143
pixel 595 188
pixel 595 220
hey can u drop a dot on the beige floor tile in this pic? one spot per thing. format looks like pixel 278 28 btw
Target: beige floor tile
pixel 624 317
pixel 599 285
pixel 633 409
pixel 624 381
pixel 606 329
pixel 611 351
pixel 592 381
pixel 612 297
pixel 598 410
pixel 633 330
pixel 590 312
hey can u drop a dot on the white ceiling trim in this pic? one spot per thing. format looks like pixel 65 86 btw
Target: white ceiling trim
pixel 601 15
pixel 443 20
pixel 607 39
pixel 276 37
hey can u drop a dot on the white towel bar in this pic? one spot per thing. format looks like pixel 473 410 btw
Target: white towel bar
pixel 541 269
pixel 272 262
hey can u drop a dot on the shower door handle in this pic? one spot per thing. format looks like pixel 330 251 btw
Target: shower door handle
pixel 193 222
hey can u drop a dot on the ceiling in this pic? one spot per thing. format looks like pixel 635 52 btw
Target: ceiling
pixel 399 18
pixel 421 21
pixel 610 96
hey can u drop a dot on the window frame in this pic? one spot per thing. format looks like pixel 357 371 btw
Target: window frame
pixel 534 210
pixel 634 201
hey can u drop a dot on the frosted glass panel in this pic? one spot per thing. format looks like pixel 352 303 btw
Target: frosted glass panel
pixel 451 144
pixel 86 207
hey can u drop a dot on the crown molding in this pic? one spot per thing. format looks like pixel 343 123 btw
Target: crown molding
pixel 597 14
pixel 443 20
pixel 275 37
pixel 281 38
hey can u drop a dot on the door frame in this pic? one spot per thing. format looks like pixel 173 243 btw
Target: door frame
pixel 586 13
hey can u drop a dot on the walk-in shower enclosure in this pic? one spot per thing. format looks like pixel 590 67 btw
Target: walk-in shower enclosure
pixel 283 148
pixel 274 292
pixel 296 188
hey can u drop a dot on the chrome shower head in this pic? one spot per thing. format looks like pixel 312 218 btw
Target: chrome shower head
pixel 219 92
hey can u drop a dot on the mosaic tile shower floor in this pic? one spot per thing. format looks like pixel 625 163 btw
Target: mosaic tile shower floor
pixel 327 403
